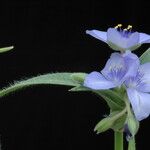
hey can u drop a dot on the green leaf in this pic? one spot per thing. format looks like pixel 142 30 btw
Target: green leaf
pixel 79 89
pixel 119 123
pixel 112 97
pixel 51 78
pixel 145 57
pixel 110 121
pixel 5 49
pixel 114 101
pixel 104 125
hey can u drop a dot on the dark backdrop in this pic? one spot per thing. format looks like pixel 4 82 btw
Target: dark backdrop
pixel 49 36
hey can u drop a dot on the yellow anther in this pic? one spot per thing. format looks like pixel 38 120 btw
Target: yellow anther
pixel 125 29
pixel 118 26
pixel 129 27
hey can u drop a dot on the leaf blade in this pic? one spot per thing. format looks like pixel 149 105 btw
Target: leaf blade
pixel 51 78
pixel 5 49
pixel 113 99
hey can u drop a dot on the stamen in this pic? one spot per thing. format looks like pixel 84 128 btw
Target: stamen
pixel 126 32
pixel 118 26
pixel 129 27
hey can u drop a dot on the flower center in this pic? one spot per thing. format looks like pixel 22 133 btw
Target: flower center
pixel 126 32
pixel 116 73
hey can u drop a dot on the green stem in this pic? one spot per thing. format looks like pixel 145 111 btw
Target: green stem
pixel 118 140
pixel 131 145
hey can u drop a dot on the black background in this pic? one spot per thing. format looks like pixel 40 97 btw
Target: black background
pixel 49 36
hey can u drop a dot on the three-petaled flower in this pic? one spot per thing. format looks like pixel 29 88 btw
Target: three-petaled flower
pixel 121 39
pixel 125 69
pixel 117 69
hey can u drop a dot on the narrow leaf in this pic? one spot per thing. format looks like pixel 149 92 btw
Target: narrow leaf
pixel 104 125
pixel 112 97
pixel 114 101
pixel 79 89
pixel 5 49
pixel 51 78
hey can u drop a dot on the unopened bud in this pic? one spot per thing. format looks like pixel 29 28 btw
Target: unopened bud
pixel 104 125
pixel 133 125
pixel 79 77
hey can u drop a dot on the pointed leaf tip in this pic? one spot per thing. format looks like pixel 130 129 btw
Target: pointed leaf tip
pixel 104 125
pixel 109 122
pixel 5 49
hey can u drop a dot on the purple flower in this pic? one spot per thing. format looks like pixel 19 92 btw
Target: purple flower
pixel 121 39
pixel 138 89
pixel 117 69
pixel 125 69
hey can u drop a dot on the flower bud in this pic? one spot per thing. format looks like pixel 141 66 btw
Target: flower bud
pixel 79 77
pixel 104 125
pixel 133 125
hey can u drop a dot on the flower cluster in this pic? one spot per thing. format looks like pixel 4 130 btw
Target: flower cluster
pixel 124 69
